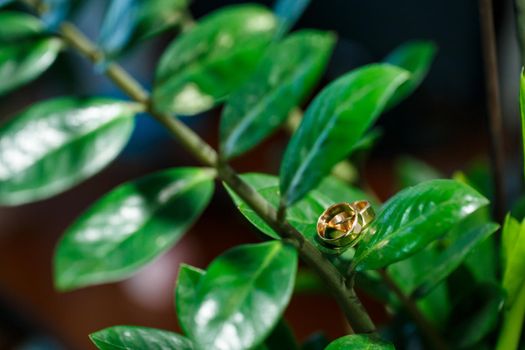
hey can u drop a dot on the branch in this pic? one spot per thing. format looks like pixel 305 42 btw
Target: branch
pixel 423 324
pixel 493 105
pixel 346 297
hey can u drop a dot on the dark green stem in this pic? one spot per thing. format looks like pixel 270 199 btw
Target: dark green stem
pixel 488 41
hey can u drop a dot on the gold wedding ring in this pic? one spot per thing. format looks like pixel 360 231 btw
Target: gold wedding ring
pixel 344 224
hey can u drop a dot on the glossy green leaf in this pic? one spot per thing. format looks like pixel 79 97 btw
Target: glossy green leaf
pixel 118 25
pixel 281 82
pixel 186 294
pixel 412 171
pixel 268 187
pixel 24 52
pixel 406 271
pixel 289 11
pixel 359 342
pixel 368 140
pixel 416 57
pixel 281 336
pixel 205 64
pixel 452 257
pixel 303 215
pixel 332 125
pixel 156 16
pixel 55 144
pixel 55 12
pixel 512 329
pixel 128 21
pixel 18 26
pixel 138 338
pixel 513 252
pixel 413 218
pixel 483 261
pixel 242 296
pixel 130 226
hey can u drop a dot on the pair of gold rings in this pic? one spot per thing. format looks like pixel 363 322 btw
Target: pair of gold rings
pixel 343 225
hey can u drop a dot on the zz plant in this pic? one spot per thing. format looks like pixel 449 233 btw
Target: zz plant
pixel 427 255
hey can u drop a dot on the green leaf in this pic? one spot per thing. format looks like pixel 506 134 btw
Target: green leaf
pixel 118 25
pixel 156 16
pixel 55 12
pixel 482 261
pixel 513 252
pixel 413 218
pixel 281 82
pixel 289 11
pixel 128 21
pixel 53 145
pixel 24 52
pixel 416 57
pixel 205 64
pixel 467 238
pixel 431 257
pixel 268 187
pixel 186 294
pixel 185 297
pixel 138 338
pixel 332 125
pixel 512 328
pixel 359 342
pixel 17 26
pixel 411 171
pixel 242 296
pixel 130 226
pixel 406 271
pixel 303 215
pixel 368 140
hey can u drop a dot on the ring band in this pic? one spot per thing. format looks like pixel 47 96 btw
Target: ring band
pixel 343 224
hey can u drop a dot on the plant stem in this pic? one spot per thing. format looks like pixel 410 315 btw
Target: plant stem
pixel 423 324
pixel 493 105
pixel 519 18
pixel 335 282
pixel 510 333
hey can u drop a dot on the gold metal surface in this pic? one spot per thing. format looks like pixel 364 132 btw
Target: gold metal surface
pixel 344 224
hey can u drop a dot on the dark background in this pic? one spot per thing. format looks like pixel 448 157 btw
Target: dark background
pixel 443 123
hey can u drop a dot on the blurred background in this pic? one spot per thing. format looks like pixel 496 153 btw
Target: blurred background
pixel 443 123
